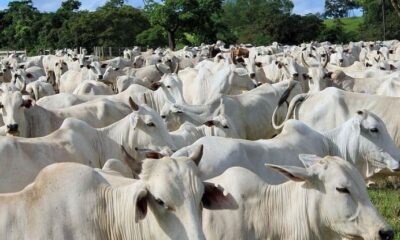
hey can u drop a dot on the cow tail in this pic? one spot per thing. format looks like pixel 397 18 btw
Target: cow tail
pixel 293 103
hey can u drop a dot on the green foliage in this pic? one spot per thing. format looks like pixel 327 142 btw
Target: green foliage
pixel 339 8
pixel 178 16
pixel 341 30
pixel 114 24
pixel 153 37
pixel 372 29
pixel 261 22
pixel 387 201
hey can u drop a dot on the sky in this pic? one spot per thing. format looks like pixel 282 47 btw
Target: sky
pixel 301 7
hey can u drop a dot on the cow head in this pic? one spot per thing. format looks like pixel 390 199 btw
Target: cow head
pixel 174 193
pixel 318 76
pixel 12 108
pixel 95 70
pixel 370 140
pixel 331 181
pixel 147 131
pixel 221 125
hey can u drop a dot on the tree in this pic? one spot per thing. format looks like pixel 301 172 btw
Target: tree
pixel 192 16
pixel 339 8
pixel 70 5
pixel 396 6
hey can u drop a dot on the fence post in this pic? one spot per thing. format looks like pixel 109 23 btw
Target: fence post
pixel 110 51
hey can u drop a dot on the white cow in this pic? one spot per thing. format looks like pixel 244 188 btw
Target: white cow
pixel 250 112
pixel 73 201
pixel 362 140
pixel 92 87
pixel 40 88
pixel 76 141
pixel 332 107
pixel 23 119
pixel 54 67
pixel 327 200
pixel 71 79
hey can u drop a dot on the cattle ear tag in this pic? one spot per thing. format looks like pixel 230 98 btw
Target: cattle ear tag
pixel 308 159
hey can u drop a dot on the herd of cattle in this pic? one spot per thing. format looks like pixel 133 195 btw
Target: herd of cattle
pixel 209 142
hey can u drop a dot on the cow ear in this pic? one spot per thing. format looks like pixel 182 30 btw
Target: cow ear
pixel 141 200
pixel 104 65
pixel 116 69
pixel 133 105
pixel 154 155
pixel 209 123
pixel 308 159
pixel 29 75
pixel 295 174
pixel 393 68
pixel 21 66
pixel 88 66
pixel 215 199
pixel 56 64
pixel 197 154
pixel 328 74
pixel 27 103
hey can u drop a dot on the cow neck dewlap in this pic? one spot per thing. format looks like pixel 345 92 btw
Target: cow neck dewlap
pixel 281 213
pixel 119 209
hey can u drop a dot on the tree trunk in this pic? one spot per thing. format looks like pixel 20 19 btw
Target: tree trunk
pixel 171 40
pixel 396 7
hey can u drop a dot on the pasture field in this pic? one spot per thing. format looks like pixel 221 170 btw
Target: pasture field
pixel 387 201
pixel 349 24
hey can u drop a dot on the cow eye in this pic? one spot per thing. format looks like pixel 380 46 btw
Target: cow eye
pixel 225 126
pixel 168 86
pixel 374 130
pixel 150 124
pixel 1 105
pixel 343 190
pixel 159 202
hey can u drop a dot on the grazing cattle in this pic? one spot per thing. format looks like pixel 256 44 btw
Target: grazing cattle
pixel 24 120
pixel 73 201
pixel 300 209
pixel 372 152
pixel 76 141
pixel 21 77
pixel 39 88
pixel 317 111
pixel 220 125
pixel 208 86
pixel 54 67
pixel 71 79
pixel 91 87
pixel 250 112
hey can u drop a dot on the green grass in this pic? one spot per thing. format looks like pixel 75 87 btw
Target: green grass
pixel 349 24
pixel 387 201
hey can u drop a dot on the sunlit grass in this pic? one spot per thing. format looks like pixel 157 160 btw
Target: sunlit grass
pixel 387 201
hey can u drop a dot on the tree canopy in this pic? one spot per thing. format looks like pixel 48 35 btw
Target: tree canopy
pixel 186 22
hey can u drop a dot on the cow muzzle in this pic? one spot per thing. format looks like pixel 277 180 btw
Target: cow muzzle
pixel 252 75
pixel 12 129
pixel 100 77
pixel 386 234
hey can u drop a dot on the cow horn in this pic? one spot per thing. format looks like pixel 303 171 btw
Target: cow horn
pixel 158 69
pixel 304 61
pixel 197 154
pixel 133 105
pixel 176 68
